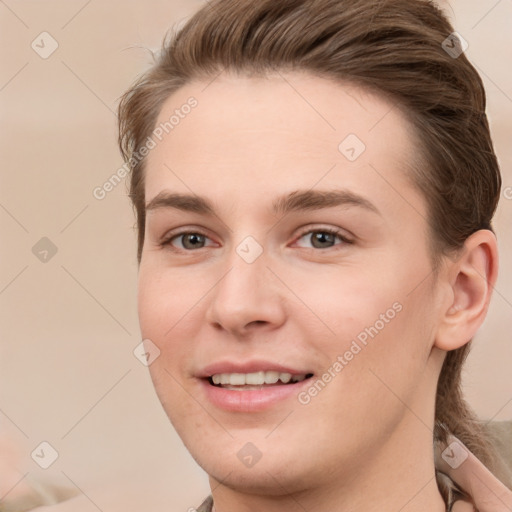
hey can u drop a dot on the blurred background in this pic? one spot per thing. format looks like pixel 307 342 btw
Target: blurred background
pixel 68 373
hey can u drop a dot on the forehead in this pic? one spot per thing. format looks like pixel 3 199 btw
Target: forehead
pixel 258 133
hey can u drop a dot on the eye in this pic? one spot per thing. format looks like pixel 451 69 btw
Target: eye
pixel 324 238
pixel 188 240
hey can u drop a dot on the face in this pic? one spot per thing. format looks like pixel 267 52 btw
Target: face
pixel 284 240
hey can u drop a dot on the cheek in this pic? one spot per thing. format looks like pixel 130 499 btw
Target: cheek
pixel 164 310
pixel 350 302
pixel 380 332
pixel 163 300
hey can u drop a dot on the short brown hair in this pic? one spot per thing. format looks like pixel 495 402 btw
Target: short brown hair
pixel 397 48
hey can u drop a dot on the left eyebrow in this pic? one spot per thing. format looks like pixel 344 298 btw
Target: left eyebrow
pixel 298 200
pixel 318 199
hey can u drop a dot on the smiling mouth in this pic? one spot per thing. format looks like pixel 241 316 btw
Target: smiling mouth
pixel 255 380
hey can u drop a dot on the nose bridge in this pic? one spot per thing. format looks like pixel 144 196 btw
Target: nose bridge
pixel 247 292
pixel 247 275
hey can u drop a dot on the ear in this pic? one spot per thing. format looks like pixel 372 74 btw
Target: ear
pixel 471 279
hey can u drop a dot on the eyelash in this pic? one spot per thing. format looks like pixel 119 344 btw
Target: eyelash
pixel 166 242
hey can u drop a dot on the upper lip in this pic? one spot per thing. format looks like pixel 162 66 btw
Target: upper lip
pixel 247 367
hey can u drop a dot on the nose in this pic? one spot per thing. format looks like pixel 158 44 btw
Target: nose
pixel 247 298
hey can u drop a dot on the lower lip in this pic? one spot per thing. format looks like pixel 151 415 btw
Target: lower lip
pixel 251 400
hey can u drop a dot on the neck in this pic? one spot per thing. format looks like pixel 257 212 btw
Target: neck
pixel 398 476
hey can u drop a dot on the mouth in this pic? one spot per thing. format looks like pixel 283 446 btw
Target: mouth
pixel 256 380
pixel 253 385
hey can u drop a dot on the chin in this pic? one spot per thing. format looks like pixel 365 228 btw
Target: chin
pixel 268 478
pixel 274 470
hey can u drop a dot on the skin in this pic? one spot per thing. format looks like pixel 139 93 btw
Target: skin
pixel 365 441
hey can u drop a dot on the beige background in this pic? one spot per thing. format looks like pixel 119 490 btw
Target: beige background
pixel 69 326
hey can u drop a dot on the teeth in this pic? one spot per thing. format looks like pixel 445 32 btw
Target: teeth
pixel 237 379
pixel 285 377
pixel 272 377
pixel 255 379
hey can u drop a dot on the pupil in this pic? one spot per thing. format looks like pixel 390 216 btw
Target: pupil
pixel 323 237
pixel 193 239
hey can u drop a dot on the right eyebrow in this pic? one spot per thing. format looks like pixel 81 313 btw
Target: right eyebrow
pixel 186 202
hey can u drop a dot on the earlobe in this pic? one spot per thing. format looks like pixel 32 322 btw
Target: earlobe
pixel 472 277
